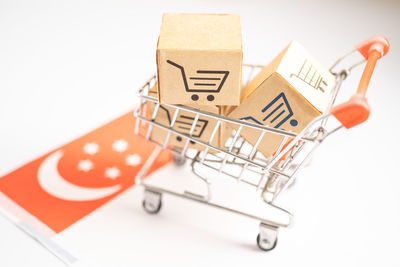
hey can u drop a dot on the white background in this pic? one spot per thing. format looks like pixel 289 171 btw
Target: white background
pixel 66 67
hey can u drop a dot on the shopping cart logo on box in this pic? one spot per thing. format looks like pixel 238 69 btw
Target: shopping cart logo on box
pixel 208 81
pixel 275 112
pixel 184 124
pixel 310 76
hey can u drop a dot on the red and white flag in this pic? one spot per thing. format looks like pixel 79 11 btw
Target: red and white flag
pixel 70 182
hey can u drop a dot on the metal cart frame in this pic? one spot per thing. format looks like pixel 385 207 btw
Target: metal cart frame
pixel 239 160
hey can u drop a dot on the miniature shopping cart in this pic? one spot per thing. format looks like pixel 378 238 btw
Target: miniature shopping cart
pixel 241 161
pixel 207 81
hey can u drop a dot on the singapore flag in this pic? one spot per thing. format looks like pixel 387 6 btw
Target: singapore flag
pixel 70 182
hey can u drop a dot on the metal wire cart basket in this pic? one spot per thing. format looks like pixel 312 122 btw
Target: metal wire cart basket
pixel 241 161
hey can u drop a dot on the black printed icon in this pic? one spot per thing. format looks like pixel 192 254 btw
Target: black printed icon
pixel 184 124
pixel 310 76
pixel 207 81
pixel 274 111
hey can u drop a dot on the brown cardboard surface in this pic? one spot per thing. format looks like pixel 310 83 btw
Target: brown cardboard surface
pixel 273 88
pixel 307 76
pixel 226 131
pixel 287 94
pixel 261 76
pixel 183 123
pixel 225 110
pixel 198 31
pixel 199 59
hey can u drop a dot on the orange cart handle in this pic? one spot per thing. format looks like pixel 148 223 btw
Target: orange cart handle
pixel 356 110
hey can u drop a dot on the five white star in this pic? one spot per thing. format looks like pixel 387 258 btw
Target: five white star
pixel 133 160
pixel 85 165
pixel 91 148
pixel 120 145
pixel 112 173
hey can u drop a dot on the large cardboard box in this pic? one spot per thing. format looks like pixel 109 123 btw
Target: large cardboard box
pixel 287 94
pixel 199 59
pixel 183 123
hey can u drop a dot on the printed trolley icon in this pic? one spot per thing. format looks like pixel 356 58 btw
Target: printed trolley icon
pixel 208 81
pixel 310 76
pixel 274 110
pixel 239 160
pixel 184 123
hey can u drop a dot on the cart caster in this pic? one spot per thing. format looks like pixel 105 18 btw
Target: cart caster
pixel 267 238
pixel 179 160
pixel 265 246
pixel 152 202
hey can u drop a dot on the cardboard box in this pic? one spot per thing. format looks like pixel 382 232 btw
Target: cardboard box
pixel 183 123
pixel 287 94
pixel 226 130
pixel 199 59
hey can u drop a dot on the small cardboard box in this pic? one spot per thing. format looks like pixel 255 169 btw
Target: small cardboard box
pixel 287 94
pixel 183 123
pixel 199 59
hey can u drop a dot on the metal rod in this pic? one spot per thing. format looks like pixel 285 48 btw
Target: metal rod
pixel 231 121
pixel 252 216
pixel 231 146
pixel 196 118
pixel 171 126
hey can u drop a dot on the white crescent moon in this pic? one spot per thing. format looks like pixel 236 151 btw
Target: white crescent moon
pixel 53 183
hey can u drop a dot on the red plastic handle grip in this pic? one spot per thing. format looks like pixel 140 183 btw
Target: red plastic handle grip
pixel 356 110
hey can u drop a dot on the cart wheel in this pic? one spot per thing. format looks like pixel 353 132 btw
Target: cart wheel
pixel 195 97
pixel 179 160
pixel 268 236
pixel 152 201
pixel 210 98
pixel 151 208
pixel 265 244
